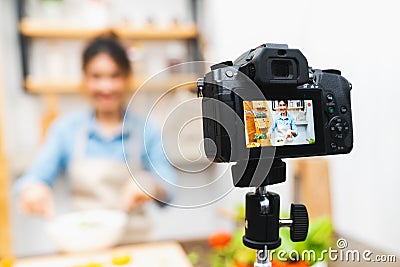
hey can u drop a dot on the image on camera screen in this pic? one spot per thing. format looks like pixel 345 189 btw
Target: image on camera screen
pixel 278 122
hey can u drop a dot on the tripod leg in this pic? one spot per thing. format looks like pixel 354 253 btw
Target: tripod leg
pixel 262 258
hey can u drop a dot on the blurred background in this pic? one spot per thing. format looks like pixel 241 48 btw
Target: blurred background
pixel 41 42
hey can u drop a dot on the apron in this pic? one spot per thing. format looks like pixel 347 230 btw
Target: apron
pixel 98 183
pixel 281 130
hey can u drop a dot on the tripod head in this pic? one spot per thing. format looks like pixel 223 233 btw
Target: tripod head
pixel 262 209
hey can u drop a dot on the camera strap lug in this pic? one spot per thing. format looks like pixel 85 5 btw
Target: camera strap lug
pixel 200 85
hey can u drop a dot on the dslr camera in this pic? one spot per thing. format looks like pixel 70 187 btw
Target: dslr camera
pixel 265 106
pixel 269 103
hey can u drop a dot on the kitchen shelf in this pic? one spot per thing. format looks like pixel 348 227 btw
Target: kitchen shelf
pixel 290 108
pixel 62 30
pixel 173 81
pixel 42 29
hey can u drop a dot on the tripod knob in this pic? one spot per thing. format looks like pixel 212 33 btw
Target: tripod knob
pixel 299 227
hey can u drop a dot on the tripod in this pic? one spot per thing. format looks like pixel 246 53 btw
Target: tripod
pixel 262 210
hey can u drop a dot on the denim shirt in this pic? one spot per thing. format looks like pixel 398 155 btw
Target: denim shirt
pixel 58 149
pixel 288 121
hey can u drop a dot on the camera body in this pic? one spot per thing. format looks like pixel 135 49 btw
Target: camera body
pixel 270 104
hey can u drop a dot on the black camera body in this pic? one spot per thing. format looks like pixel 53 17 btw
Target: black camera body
pixel 270 104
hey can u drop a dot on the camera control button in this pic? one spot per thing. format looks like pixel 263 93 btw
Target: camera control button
pixel 343 109
pixel 329 97
pixel 339 128
pixel 229 73
pixel 346 127
pixel 331 110
pixel 334 146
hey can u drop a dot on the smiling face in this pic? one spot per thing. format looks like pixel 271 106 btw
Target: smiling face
pixel 282 107
pixel 105 83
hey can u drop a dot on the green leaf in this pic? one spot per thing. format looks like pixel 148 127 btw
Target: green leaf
pixel 193 257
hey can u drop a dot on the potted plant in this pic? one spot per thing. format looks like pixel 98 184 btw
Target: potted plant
pixel 261 138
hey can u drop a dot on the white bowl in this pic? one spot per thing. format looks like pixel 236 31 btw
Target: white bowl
pixel 283 142
pixel 87 230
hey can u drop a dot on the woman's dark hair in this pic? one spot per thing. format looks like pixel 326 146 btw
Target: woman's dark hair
pixel 285 101
pixel 107 44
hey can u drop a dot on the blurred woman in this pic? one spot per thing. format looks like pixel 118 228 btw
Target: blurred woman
pixel 284 125
pixel 88 145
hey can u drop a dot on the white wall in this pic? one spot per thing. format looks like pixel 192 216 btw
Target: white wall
pixel 361 39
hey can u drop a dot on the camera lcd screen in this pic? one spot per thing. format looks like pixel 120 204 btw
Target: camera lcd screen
pixel 278 123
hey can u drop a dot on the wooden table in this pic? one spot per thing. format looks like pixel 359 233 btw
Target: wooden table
pixel 165 254
pixel 168 254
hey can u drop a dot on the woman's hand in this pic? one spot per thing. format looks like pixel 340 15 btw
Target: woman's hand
pixel 134 197
pixel 289 134
pixel 37 199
